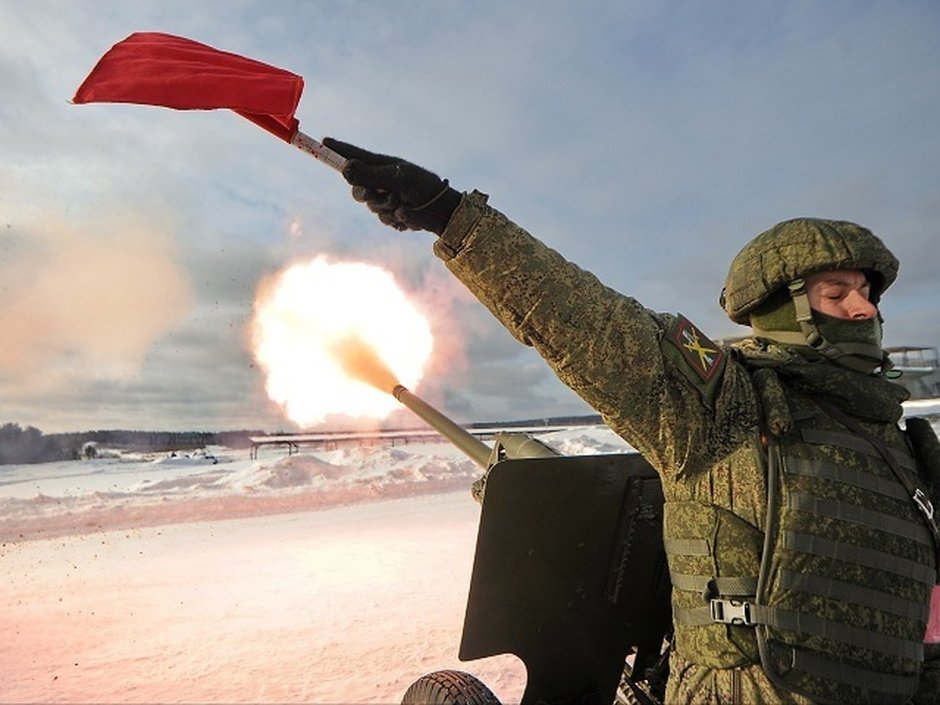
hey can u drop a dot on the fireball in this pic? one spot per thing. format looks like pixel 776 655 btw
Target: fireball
pixel 334 338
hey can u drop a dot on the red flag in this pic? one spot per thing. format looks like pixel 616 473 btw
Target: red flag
pixel 152 68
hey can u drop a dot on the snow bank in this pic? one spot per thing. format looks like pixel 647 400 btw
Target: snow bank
pixel 108 494
pixel 133 490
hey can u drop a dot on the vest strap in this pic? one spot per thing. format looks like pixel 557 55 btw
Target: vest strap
pixel 833 589
pixel 827 669
pixel 867 557
pixel 863 638
pixel 687 547
pixel 742 613
pixel 692 616
pixel 794 465
pixel 869 518
pixel 710 586
pixel 730 611
pixel 856 443
pixel 721 611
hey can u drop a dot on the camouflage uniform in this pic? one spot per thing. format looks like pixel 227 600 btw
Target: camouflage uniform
pixel 692 409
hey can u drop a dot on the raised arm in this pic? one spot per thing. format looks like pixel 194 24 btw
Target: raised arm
pixel 624 360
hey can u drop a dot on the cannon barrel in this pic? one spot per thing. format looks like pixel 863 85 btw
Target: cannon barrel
pixel 472 446
pixel 509 444
pixel 361 362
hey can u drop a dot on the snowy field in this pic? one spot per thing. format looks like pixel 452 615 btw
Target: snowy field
pixel 322 577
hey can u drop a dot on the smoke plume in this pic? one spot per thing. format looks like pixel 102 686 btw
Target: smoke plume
pixel 80 306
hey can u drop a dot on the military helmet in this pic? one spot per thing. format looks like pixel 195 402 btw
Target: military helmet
pixel 796 248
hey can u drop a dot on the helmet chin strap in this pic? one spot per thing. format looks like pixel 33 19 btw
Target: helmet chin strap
pixel 860 357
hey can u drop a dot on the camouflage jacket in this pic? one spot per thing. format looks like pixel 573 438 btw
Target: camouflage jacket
pixel 689 407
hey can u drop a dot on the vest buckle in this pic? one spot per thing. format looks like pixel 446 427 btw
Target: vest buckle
pixel 731 611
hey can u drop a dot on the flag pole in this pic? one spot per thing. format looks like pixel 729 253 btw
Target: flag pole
pixel 318 150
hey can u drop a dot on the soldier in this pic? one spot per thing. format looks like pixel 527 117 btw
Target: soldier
pixel 798 519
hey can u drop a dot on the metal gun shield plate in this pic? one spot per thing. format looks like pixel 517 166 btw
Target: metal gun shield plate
pixel 569 573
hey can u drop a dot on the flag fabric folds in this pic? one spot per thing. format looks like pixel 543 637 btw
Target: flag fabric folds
pixel 152 68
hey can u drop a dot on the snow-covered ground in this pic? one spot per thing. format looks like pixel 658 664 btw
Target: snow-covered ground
pixel 320 577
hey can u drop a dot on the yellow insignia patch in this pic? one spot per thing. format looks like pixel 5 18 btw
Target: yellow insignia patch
pixel 701 354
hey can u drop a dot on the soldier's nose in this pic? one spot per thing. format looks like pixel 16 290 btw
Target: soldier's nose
pixel 859 307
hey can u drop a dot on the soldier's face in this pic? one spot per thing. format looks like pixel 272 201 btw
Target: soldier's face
pixel 841 293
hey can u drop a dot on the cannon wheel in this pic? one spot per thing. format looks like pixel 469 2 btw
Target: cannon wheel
pixel 449 688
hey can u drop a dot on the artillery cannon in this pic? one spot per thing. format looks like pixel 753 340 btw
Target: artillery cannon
pixel 569 574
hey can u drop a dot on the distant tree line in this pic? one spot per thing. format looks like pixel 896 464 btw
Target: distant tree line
pixel 20 445
pixel 29 445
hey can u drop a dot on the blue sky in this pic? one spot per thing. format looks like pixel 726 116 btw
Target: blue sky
pixel 647 141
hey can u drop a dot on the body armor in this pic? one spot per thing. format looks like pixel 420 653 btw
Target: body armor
pixel 835 602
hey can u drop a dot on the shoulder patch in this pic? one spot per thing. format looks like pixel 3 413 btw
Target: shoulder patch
pixel 701 354
pixel 698 359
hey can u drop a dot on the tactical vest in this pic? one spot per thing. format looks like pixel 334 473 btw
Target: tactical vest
pixel 832 598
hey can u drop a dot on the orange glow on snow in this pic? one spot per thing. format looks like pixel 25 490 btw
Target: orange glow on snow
pixel 330 335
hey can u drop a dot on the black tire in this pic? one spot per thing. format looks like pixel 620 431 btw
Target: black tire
pixel 449 688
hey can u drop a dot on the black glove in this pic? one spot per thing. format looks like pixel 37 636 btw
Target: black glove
pixel 402 194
